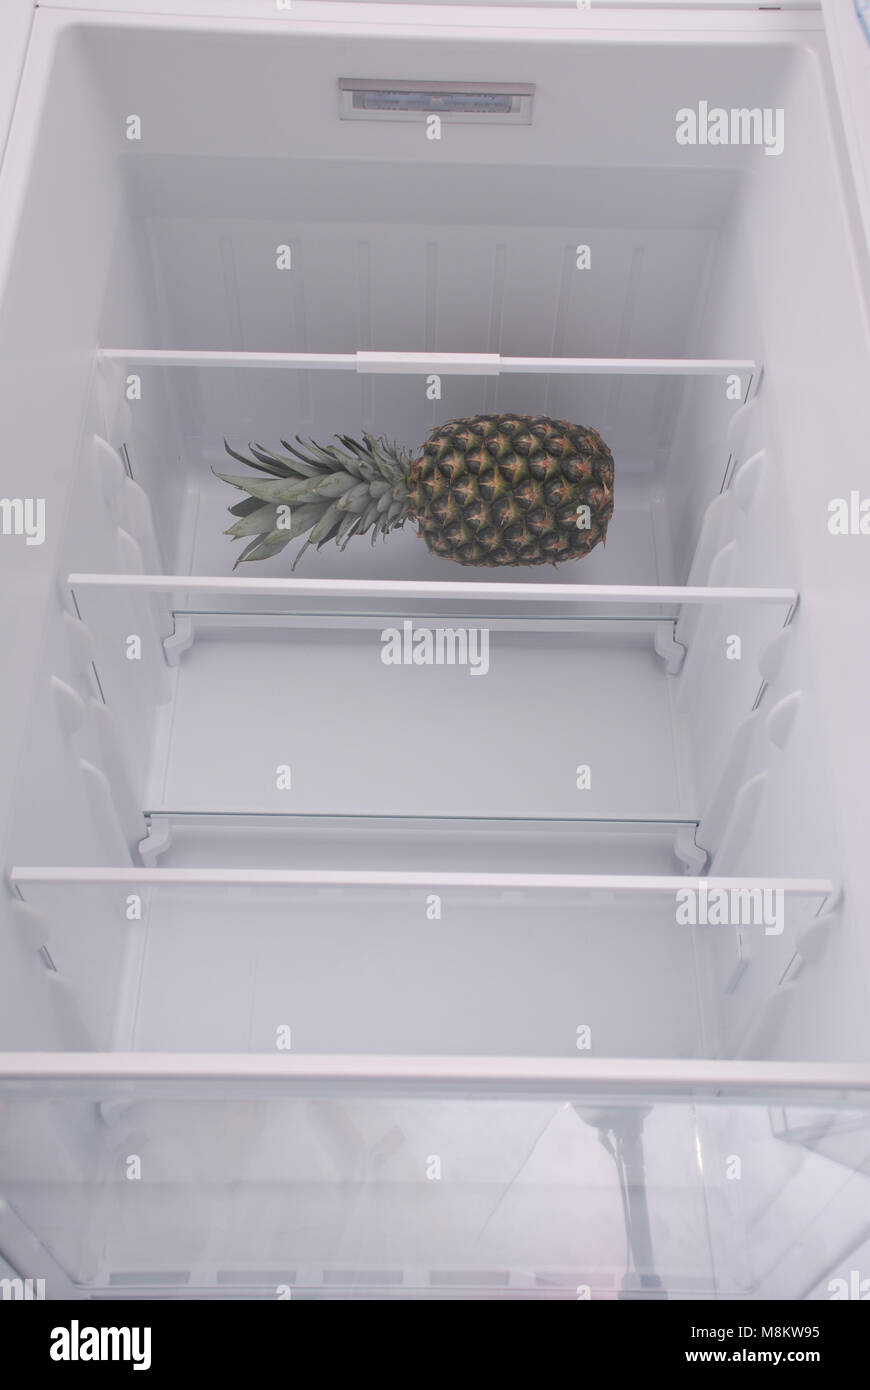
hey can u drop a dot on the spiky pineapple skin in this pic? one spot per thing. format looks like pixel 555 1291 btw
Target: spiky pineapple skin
pixel 505 490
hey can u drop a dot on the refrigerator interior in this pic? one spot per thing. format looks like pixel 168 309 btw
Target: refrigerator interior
pixel 232 832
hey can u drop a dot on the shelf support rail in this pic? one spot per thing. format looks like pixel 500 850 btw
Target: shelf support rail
pixel 445 363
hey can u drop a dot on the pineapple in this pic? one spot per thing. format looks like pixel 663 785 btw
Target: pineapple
pixel 487 490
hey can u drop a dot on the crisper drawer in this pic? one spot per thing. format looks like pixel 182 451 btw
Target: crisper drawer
pixel 276 1178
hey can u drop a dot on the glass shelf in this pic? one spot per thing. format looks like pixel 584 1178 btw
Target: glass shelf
pixel 179 838
pixel 419 363
pixel 433 962
pixel 461 823
pixel 217 702
pixel 192 594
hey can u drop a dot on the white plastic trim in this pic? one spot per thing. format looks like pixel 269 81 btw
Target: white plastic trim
pixel 449 363
pixel 20 876
pixel 457 363
pixel 519 1074
pixel 426 589
pixel 561 17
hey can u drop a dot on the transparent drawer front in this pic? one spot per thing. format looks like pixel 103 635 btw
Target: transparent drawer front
pixel 325 1191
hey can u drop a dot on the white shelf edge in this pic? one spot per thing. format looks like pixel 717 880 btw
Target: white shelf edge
pixel 528 1074
pixel 632 883
pixel 464 363
pixel 626 822
pixel 400 588
pixel 496 13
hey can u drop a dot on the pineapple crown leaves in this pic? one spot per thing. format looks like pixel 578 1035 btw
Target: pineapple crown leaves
pixel 329 492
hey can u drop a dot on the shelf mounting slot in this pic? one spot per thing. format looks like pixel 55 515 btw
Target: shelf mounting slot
pixel 157 841
pixel 672 652
pixel 180 639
